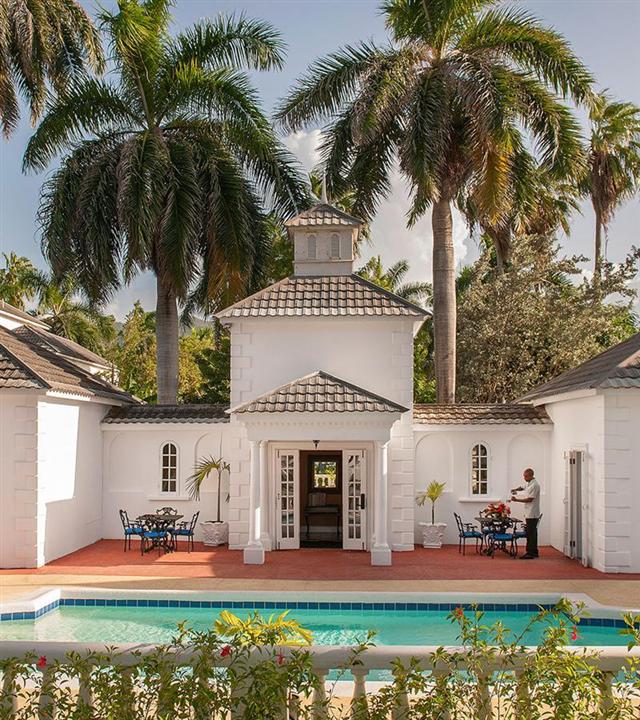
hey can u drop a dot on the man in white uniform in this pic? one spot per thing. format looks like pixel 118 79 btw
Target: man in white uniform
pixel 531 500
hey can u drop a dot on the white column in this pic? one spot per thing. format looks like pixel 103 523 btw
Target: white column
pixel 254 552
pixel 381 552
pixel 265 536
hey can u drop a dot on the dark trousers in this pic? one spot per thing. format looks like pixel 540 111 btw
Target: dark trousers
pixel 532 536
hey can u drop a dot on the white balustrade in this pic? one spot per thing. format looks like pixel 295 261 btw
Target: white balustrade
pixel 609 660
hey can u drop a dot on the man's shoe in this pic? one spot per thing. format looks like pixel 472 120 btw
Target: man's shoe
pixel 527 557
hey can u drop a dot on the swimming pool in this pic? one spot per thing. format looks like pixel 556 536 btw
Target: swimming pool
pixel 338 620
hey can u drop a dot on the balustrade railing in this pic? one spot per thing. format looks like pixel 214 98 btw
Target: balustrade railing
pixel 438 666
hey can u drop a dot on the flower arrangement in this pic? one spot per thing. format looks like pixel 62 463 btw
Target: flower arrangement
pixel 497 510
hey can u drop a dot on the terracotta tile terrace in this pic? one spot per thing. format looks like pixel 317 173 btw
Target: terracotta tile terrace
pixel 106 558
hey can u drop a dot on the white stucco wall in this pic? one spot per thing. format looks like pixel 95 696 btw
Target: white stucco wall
pixel 132 465
pixel 69 474
pixel 443 453
pixel 618 507
pixel 578 425
pixel 19 546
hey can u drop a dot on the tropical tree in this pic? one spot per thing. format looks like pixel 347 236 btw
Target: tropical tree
pixel 135 352
pixel 447 99
pixel 19 280
pixel 67 315
pixel 392 279
pixel 614 163
pixel 168 168
pixel 42 43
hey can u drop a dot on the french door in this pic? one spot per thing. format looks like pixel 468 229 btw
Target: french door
pixel 575 504
pixel 354 500
pixel 288 499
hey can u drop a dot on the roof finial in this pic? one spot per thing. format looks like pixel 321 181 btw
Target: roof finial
pixel 323 198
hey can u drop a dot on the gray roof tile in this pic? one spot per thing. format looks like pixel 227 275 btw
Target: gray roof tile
pixel 38 367
pixel 168 414
pixel 617 367
pixel 60 345
pixel 476 414
pixel 326 295
pixel 319 392
pixel 324 214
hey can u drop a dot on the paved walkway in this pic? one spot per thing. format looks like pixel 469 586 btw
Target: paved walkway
pixel 104 564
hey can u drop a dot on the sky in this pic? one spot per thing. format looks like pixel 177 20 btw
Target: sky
pixel 603 34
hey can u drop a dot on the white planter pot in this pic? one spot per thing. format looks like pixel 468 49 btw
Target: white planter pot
pixel 215 533
pixel 432 534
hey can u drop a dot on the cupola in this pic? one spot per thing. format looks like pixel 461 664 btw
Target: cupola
pixel 324 241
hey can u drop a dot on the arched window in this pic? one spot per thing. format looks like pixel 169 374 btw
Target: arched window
pixel 335 246
pixel 311 247
pixel 169 470
pixel 479 470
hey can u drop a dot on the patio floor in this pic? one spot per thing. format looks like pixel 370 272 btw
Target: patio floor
pixel 106 557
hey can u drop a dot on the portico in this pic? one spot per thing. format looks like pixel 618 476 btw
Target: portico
pixel 302 417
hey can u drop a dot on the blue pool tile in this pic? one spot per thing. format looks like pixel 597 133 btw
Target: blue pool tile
pixel 111 603
pixel 501 607
pixel 100 602
pixel 313 605
pixel 412 606
pixel 356 606
pixel 184 604
pixel 132 603
pixel 90 602
pixel 163 603
pixel 143 603
pixel 5 616
pixel 153 603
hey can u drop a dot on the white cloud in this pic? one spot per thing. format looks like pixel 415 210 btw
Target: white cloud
pixel 391 238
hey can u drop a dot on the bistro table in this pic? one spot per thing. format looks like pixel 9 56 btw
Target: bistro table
pixel 491 526
pixel 161 522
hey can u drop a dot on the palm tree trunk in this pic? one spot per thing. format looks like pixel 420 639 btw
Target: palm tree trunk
pixel 444 302
pixel 167 344
pixel 597 264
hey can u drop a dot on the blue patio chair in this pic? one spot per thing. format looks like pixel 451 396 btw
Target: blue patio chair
pixel 130 529
pixel 468 531
pixel 186 530
pixel 155 538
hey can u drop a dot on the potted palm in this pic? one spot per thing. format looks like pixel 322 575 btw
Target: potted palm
pixel 215 532
pixel 432 532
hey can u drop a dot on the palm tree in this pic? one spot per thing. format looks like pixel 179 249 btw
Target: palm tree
pixel 614 163
pixel 168 168
pixel 60 307
pixel 541 205
pixel 392 278
pixel 19 280
pixel 447 99
pixel 42 42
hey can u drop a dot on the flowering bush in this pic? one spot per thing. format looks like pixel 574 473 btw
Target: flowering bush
pixel 242 671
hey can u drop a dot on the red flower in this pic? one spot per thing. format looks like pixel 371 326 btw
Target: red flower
pixel 458 612
pixel 42 662
pixel 280 659
pixel 226 651
pixel 574 633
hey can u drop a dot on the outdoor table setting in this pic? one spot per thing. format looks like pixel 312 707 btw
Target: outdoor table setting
pixel 159 527
pixel 499 529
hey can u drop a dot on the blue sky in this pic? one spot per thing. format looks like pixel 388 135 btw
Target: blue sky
pixel 604 34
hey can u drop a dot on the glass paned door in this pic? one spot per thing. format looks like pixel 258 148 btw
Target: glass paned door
pixel 354 500
pixel 287 500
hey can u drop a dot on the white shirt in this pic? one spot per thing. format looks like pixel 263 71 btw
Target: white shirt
pixel 532 509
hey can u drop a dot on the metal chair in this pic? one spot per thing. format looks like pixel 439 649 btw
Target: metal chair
pixel 157 537
pixel 468 531
pixel 167 511
pixel 130 529
pixel 186 530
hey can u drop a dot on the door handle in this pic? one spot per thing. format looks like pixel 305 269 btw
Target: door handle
pixel 363 503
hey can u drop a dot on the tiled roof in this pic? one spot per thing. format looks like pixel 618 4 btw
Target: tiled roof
pixel 323 214
pixel 35 366
pixel 468 414
pixel 168 414
pixel 617 367
pixel 327 295
pixel 60 345
pixel 13 374
pixel 20 315
pixel 318 392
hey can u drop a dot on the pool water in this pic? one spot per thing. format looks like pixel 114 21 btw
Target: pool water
pixel 112 625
